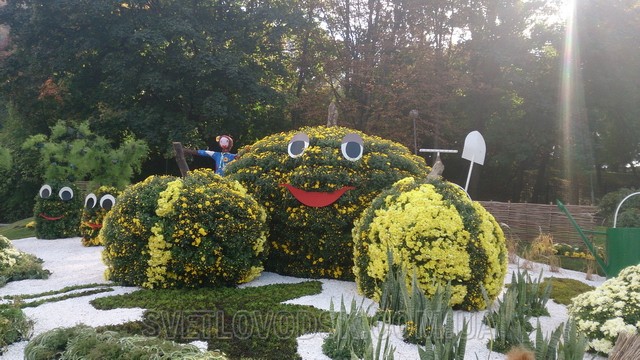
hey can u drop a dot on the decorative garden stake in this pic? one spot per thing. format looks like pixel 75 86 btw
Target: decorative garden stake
pixel 474 151
pixel 438 166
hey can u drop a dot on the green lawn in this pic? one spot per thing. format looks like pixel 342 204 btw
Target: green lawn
pixel 18 229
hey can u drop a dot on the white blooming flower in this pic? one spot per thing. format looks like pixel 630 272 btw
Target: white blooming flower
pixel 601 345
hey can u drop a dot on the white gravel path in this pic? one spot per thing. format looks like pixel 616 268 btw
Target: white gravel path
pixel 73 264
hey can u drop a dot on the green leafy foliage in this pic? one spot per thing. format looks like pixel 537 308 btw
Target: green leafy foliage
pixel 574 343
pixel 547 347
pixel 84 342
pixel 73 153
pixel 533 295
pixel 243 323
pixel 393 289
pixel 629 213
pixel 425 316
pixel 5 160
pixel 57 218
pixel 350 332
pixel 445 344
pixel 351 337
pixel 14 326
pixel 315 241
pixel 434 229
pixel 201 230
pixel 511 324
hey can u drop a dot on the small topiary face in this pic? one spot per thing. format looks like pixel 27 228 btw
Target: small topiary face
pixel 96 206
pixel 436 230
pixel 201 230
pixel 314 183
pixel 57 211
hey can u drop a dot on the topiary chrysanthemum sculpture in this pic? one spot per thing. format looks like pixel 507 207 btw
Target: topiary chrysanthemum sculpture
pixel 434 229
pixel 96 205
pixel 57 210
pixel 197 231
pixel 314 182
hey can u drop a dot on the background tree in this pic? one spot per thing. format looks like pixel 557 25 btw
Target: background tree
pixel 165 71
pixel 73 153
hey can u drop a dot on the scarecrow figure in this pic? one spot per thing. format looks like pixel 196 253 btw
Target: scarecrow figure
pixel 220 158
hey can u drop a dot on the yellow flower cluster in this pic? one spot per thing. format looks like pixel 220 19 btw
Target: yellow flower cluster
pixel 201 230
pixel 160 255
pixel 168 198
pixel 422 224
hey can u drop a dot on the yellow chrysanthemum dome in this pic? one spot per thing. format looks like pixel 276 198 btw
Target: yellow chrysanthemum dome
pixel 434 229
pixel 201 230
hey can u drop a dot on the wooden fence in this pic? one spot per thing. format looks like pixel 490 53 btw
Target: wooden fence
pixel 525 221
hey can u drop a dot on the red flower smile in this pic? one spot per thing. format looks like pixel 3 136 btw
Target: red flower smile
pixel 316 198
pixel 93 226
pixel 50 218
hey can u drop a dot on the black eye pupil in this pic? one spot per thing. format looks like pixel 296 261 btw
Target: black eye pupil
pixel 297 147
pixel 107 204
pixel 45 194
pixel 66 195
pixel 91 203
pixel 352 149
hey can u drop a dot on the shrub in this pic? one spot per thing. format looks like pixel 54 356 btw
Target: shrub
pixel 351 336
pixel 201 230
pixel 83 342
pixel 511 324
pixel 96 206
pixel 57 210
pixel 435 230
pixel 14 326
pixel 629 214
pixel 17 265
pixel 610 309
pixel 315 241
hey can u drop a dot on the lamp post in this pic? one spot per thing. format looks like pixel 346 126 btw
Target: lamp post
pixel 414 115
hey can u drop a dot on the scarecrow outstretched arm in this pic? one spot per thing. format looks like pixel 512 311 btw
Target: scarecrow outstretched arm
pixel 182 163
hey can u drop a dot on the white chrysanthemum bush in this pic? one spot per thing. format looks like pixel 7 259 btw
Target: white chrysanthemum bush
pixel 612 308
pixel 434 229
pixel 201 230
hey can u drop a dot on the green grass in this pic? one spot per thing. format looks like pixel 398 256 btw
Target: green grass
pixel 243 323
pixel 18 230
pixel 563 290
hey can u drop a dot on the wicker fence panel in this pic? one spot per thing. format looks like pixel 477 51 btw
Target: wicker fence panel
pixel 526 221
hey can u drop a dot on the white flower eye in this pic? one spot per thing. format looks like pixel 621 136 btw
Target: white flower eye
pixel 107 201
pixel 298 144
pixel 45 191
pixel 352 147
pixel 65 193
pixel 90 201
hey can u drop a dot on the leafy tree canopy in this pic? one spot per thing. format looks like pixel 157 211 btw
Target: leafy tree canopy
pixel 76 153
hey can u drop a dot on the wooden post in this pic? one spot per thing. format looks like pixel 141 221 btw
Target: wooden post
pixel 182 162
